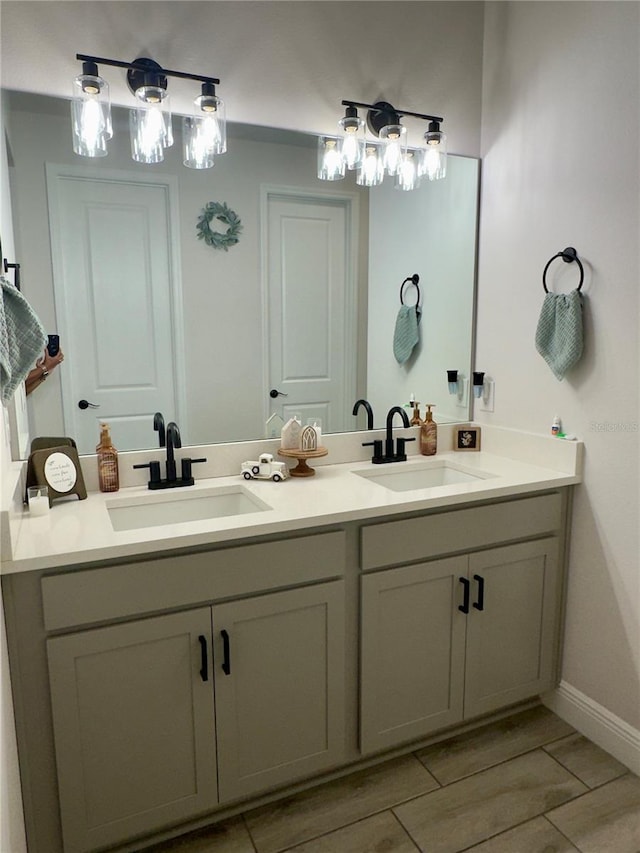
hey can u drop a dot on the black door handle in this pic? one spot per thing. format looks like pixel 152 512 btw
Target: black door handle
pixel 464 607
pixel 226 663
pixel 479 604
pixel 275 393
pixel 204 659
pixel 85 404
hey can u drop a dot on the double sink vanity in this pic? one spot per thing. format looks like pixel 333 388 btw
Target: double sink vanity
pixel 179 657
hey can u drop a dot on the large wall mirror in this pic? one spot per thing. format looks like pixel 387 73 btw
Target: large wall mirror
pixel 305 304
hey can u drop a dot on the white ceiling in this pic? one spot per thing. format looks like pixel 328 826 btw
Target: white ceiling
pixel 286 64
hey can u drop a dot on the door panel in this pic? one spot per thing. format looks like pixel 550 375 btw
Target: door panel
pixel 133 722
pixel 116 295
pixel 280 707
pixel 310 299
pixel 412 664
pixel 510 649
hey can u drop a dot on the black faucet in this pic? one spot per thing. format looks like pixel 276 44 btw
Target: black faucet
pixel 390 453
pixel 169 438
pixel 158 425
pixel 368 408
pixel 173 441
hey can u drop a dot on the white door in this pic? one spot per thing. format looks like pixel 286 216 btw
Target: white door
pixel 117 302
pixel 310 303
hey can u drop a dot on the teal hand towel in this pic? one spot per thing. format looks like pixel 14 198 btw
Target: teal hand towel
pixel 22 338
pixel 559 336
pixel 406 334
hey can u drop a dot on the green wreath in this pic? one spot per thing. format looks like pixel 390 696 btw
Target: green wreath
pixel 215 210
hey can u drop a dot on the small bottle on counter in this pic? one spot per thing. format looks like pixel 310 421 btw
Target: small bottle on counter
pixel 108 474
pixel 428 434
pixel 555 426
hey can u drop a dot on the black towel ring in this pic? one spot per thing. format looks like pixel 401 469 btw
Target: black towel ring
pixel 414 279
pixel 568 255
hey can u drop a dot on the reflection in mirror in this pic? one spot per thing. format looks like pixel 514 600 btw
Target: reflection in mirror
pixel 151 318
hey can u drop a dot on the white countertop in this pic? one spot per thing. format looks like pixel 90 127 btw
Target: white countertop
pixel 77 532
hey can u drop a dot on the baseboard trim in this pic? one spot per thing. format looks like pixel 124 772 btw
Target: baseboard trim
pixel 596 723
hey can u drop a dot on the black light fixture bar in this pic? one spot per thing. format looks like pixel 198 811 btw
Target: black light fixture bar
pixel 141 66
pixel 379 107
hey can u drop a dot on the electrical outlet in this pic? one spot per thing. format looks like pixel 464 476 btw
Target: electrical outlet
pixel 487 401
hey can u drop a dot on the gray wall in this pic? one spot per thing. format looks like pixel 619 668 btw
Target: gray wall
pixel 556 76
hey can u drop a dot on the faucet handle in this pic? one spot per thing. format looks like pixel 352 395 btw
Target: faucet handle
pixel 154 470
pixel 186 464
pixel 377 449
pixel 401 454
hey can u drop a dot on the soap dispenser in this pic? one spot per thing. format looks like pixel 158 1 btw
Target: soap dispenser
pixel 429 433
pixel 108 474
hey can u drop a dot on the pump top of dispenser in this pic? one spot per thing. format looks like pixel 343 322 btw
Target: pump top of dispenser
pixel 105 436
pixel 429 415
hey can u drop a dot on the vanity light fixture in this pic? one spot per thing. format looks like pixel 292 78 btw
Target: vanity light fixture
pixel 150 122
pixel 391 156
pixel 352 129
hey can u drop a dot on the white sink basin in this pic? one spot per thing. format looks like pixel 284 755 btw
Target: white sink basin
pixel 404 477
pixel 160 508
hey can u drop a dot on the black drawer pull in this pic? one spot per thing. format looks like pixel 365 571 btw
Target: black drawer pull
pixel 204 659
pixel 464 607
pixel 226 663
pixel 479 604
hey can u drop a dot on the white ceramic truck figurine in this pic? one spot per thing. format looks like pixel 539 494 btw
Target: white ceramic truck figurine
pixel 265 469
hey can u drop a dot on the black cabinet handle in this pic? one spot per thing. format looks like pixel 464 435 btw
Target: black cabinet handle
pixel 204 659
pixel 226 663
pixel 464 607
pixel 85 404
pixel 275 393
pixel 479 604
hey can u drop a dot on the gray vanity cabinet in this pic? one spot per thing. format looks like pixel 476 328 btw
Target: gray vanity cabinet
pixel 161 719
pixel 444 640
pixel 133 722
pixel 279 683
pixel 511 645
pixel 412 652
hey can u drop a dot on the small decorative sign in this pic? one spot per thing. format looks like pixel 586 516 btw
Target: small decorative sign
pixel 466 438
pixel 60 472
pixel 59 469
pixel 216 239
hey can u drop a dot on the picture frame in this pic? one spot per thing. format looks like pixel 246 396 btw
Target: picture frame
pixel 467 438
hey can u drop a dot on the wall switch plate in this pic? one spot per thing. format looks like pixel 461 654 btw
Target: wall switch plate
pixel 487 400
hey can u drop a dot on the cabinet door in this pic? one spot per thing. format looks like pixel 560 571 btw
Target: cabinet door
pixel 134 727
pixel 412 652
pixel 279 680
pixel 511 641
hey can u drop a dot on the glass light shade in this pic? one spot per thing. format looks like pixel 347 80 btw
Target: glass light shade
pixel 407 177
pixel 433 164
pixel 331 165
pixel 352 130
pixel 394 137
pixel 211 111
pixel 371 170
pixel 197 149
pixel 90 116
pixel 150 125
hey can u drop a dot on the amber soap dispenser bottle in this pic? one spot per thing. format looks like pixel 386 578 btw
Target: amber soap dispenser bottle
pixel 108 474
pixel 429 434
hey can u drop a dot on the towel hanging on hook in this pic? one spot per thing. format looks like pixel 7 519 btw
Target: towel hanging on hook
pixel 406 334
pixel 568 255
pixel 414 279
pixel 559 334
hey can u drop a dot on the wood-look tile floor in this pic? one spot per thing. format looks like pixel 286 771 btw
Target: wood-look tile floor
pixel 526 784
